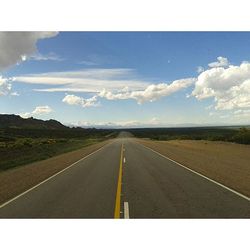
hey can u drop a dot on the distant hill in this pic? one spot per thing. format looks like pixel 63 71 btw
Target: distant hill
pixel 16 121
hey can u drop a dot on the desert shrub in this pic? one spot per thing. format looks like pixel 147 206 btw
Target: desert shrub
pixel 27 142
pixel 62 140
pixel 243 136
pixel 6 138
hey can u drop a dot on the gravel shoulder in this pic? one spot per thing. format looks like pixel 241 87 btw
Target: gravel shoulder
pixel 17 180
pixel 227 163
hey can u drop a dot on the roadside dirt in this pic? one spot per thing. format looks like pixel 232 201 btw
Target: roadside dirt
pixel 227 163
pixel 18 180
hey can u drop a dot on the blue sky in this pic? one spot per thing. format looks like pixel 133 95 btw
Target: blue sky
pixel 132 79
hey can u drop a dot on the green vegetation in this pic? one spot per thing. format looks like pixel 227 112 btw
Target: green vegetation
pixel 229 134
pixel 23 146
pixel 23 141
pixel 242 136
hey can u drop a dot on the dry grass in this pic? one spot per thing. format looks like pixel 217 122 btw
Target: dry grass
pixel 17 180
pixel 227 163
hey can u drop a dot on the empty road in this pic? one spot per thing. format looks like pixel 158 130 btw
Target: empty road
pixel 124 179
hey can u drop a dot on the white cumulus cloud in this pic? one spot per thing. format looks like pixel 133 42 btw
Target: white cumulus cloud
pixel 84 102
pixel 156 91
pixel 200 69
pixel 15 94
pixel 5 86
pixel 40 110
pixel 112 84
pixel 18 46
pixel 230 87
pixel 151 93
pixel 221 62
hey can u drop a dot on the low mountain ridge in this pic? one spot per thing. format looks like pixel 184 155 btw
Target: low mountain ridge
pixel 16 121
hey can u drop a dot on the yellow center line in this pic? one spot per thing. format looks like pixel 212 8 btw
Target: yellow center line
pixel 119 189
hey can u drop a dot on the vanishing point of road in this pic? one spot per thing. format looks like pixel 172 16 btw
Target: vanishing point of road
pixel 124 179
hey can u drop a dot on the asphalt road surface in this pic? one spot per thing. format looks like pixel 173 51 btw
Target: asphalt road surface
pixel 126 180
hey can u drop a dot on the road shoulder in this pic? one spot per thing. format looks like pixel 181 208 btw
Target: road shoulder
pixel 225 163
pixel 17 180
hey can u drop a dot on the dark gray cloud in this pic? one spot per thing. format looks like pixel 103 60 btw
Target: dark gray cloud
pixel 17 46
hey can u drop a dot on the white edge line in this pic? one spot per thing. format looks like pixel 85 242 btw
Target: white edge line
pixel 126 210
pixel 215 182
pixel 54 175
